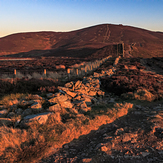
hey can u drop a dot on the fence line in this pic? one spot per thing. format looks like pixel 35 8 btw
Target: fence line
pixel 82 70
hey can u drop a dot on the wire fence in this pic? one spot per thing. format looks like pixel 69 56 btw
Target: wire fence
pixel 82 70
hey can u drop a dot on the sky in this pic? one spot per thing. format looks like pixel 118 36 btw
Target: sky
pixel 66 15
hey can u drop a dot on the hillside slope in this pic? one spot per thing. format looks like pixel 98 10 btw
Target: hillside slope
pixel 139 41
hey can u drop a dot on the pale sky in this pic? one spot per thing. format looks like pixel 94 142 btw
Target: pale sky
pixel 66 15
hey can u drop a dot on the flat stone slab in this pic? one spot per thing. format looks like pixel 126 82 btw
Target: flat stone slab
pixel 37 115
pixel 41 117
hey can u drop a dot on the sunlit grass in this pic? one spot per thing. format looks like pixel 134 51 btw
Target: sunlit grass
pixel 8 99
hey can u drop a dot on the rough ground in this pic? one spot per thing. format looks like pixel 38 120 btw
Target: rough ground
pixel 114 115
pixel 136 137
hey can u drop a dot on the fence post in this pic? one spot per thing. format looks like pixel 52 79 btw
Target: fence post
pixel 117 50
pixel 68 72
pixel 45 73
pixel 77 72
pixel 14 73
pixel 85 69
pixel 123 48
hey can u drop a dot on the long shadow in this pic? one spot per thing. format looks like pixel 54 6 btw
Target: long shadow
pixel 131 138
pixel 63 51
pixel 155 64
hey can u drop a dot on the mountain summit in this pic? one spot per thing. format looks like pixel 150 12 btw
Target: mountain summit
pixel 138 42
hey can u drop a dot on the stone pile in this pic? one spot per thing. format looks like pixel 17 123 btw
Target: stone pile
pixel 76 97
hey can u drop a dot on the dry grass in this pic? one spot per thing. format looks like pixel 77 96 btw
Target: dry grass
pixel 20 145
pixel 11 99
pixel 14 142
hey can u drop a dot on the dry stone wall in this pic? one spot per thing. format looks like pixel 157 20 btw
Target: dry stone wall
pixel 77 97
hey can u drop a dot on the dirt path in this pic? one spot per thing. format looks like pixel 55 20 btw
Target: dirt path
pixel 107 35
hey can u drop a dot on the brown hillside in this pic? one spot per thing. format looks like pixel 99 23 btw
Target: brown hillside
pixel 139 42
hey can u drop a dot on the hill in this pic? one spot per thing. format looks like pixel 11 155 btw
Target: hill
pixel 84 42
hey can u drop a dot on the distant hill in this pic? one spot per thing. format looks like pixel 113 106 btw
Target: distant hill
pixel 84 42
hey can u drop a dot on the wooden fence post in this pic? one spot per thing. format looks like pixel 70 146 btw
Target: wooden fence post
pixel 45 72
pixel 77 72
pixel 85 69
pixel 14 73
pixel 123 48
pixel 117 50
pixel 68 72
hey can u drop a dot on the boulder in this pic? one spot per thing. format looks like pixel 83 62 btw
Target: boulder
pixel 53 100
pixel 62 98
pixel 83 105
pixel 59 98
pixel 19 111
pixel 88 101
pixel 72 94
pixel 36 97
pixel 66 104
pixel 36 106
pixel 69 85
pixel 49 95
pixel 27 102
pixel 10 115
pixel 55 108
pixel 82 91
pixel 13 107
pixel 26 112
pixel 41 118
pixel 78 84
pixel 92 93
